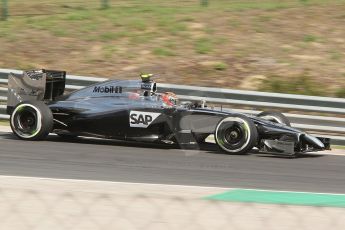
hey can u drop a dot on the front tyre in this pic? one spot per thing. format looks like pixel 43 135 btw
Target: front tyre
pixel 31 120
pixel 236 134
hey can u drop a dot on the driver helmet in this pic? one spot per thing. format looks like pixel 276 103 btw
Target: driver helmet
pixel 169 98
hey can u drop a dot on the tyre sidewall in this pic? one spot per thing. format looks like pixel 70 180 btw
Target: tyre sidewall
pixel 44 120
pixel 251 135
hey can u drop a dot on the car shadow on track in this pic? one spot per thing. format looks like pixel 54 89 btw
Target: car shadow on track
pixel 93 141
pixel 299 156
pixel 215 150
pixel 100 141
pixel 205 148
pixel 8 136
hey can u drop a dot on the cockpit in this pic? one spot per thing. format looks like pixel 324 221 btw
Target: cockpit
pixel 148 91
pixel 140 91
pixel 136 90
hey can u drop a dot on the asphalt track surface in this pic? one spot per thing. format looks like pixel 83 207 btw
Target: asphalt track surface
pixel 129 162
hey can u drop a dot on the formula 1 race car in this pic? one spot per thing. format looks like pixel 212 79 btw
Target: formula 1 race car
pixel 133 110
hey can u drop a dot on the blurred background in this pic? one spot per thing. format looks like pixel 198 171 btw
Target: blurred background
pixel 289 46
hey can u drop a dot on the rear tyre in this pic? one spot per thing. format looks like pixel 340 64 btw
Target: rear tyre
pixel 275 117
pixel 31 120
pixel 236 134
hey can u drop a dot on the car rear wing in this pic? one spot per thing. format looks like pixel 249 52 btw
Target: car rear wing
pixel 38 85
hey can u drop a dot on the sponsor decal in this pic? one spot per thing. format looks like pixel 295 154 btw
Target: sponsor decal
pixel 146 86
pixel 33 93
pixel 140 119
pixel 35 74
pixel 107 89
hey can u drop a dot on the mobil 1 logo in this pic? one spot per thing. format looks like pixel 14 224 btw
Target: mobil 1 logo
pixel 140 119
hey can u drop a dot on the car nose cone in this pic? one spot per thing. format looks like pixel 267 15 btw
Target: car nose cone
pixel 314 141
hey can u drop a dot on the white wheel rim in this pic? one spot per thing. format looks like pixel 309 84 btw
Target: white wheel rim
pixel 247 129
pixel 39 121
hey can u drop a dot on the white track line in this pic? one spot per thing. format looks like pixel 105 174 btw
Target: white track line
pixel 157 184
pixel 115 182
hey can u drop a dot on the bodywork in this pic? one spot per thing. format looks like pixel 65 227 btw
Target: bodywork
pixel 133 110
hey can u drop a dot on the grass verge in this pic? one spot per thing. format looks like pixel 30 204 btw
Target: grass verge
pixel 174 39
pixel 4 123
pixel 338 146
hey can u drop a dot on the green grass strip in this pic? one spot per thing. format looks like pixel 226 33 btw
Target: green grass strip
pixel 4 123
pixel 276 197
pixel 338 147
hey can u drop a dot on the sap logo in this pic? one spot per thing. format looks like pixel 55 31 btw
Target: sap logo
pixel 140 119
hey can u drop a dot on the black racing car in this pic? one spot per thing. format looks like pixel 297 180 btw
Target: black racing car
pixel 133 110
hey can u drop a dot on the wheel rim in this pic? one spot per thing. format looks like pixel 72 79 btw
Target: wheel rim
pixel 26 121
pixel 236 134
